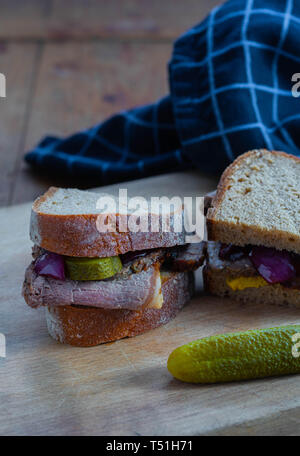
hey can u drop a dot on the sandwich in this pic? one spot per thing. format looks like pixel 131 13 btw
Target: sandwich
pixel 98 286
pixel 253 229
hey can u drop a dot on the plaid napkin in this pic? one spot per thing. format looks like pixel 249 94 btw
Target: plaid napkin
pixel 230 91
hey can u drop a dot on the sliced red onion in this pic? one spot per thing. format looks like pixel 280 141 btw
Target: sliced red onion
pixel 275 266
pixel 51 265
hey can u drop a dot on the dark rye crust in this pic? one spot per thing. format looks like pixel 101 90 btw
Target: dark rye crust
pixel 77 235
pixel 228 232
pixel 86 327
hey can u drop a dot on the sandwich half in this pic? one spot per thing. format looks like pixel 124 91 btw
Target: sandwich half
pixel 253 227
pixel 99 286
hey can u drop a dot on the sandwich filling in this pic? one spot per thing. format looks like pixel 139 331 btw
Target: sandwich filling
pixel 255 266
pixel 130 281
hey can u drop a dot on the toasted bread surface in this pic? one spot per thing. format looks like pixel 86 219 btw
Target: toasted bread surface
pixel 66 221
pixel 258 202
pixel 90 326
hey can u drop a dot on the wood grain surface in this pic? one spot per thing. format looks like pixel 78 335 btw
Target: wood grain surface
pixel 93 19
pixel 124 388
pixel 71 64
pixel 72 95
pixel 14 110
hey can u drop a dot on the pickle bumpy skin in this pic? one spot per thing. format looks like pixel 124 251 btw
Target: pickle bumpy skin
pixel 237 356
pixel 92 268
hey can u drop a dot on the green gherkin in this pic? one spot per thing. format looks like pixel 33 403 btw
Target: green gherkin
pixel 238 356
pixel 92 268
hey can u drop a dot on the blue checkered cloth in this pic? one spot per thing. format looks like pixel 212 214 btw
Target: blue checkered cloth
pixel 230 91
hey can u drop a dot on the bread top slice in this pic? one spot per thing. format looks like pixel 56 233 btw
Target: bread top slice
pixel 258 202
pixel 66 221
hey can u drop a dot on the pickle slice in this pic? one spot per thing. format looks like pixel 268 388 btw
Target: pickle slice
pixel 92 268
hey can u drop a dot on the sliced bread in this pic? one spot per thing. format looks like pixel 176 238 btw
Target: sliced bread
pixel 258 202
pixel 65 221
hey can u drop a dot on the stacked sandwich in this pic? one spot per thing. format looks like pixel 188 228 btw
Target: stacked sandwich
pixel 101 286
pixel 254 223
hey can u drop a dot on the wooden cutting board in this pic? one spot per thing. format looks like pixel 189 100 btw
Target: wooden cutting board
pixel 124 388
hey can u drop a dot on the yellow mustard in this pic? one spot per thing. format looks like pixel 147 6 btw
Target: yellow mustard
pixel 240 283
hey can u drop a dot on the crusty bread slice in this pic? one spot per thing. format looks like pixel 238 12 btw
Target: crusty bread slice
pixel 87 326
pixel 258 202
pixel 65 221
pixel 217 272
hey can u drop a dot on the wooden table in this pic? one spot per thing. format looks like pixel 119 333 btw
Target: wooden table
pixel 69 65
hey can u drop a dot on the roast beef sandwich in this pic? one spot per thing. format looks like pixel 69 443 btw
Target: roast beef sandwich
pixel 253 227
pixel 99 286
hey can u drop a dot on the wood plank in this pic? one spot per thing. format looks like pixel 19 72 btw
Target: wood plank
pixel 23 19
pixel 124 388
pixel 281 423
pixel 18 63
pixel 73 94
pixel 86 19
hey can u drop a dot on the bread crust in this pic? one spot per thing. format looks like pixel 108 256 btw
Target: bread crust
pixel 86 327
pixel 228 232
pixel 77 235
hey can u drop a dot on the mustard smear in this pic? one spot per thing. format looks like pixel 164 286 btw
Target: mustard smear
pixel 241 283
